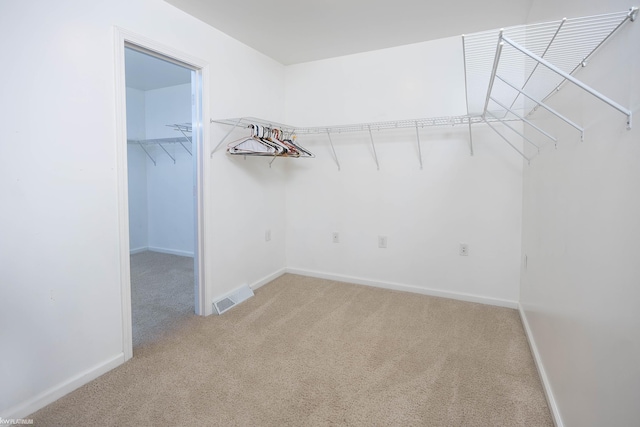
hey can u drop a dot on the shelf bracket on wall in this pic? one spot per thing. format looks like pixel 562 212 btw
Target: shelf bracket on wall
pixel 183 129
pixel 466 95
pixel 570 78
pixel 494 70
pixel 419 149
pixel 375 155
pixel 187 138
pixel 170 156
pixel 508 142
pixel 546 107
pixel 147 153
pixel 470 140
pixel 335 156
pixel 226 136
pixel 514 130
pixel 523 119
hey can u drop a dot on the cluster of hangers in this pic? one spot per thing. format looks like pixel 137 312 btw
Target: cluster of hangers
pixel 266 141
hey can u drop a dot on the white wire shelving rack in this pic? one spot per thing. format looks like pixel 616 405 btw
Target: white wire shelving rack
pixel 529 63
pixel 416 124
pixel 184 140
pixel 511 72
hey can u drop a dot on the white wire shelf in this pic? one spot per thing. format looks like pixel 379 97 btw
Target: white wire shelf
pixel 156 141
pixel 244 122
pixel 509 73
pixel 567 43
pixel 518 68
pixel 417 124
pixel 183 128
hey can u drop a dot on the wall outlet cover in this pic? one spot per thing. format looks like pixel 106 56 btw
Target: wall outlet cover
pixel 464 249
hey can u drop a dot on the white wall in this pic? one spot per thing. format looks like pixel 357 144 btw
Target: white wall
pixel 424 213
pixel 581 288
pixel 170 186
pixel 161 203
pixel 60 251
pixel 137 172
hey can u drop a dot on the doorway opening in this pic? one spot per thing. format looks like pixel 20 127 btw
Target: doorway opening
pixel 161 194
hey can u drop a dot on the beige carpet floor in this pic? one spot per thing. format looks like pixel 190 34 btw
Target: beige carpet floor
pixel 306 352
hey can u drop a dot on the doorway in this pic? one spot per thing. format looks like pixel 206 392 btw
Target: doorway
pixel 161 140
pixel 161 197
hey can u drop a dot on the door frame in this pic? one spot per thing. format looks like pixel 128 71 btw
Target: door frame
pixel 200 135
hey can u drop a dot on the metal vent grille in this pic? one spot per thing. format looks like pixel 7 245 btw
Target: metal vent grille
pixel 232 299
pixel 224 305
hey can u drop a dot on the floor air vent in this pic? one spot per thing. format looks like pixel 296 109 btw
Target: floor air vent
pixel 232 299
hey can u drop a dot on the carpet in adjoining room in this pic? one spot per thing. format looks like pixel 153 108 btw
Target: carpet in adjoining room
pixel 162 294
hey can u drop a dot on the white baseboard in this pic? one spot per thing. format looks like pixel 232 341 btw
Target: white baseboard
pixel 407 288
pixel 56 392
pixel 546 385
pixel 267 279
pixel 138 250
pixel 170 251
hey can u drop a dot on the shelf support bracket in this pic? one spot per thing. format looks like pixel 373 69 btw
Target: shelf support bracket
pixel 546 107
pixel 375 155
pixel 509 110
pixel 466 94
pixel 165 150
pixel 494 70
pixel 470 139
pixel 514 130
pixel 225 137
pixel 419 149
pixel 572 79
pixel 335 156
pixel 187 138
pixel 147 153
pixel 508 142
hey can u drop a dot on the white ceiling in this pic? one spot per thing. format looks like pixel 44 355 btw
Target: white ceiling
pixel 146 72
pixel 294 31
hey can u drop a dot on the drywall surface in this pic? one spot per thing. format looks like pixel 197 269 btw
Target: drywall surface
pixel 161 194
pixel 424 213
pixel 60 249
pixel 137 172
pixel 170 185
pixel 581 286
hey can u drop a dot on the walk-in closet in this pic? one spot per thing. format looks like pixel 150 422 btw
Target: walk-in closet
pixel 308 213
pixel 161 197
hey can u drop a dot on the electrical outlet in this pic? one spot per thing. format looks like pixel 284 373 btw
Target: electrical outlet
pixel 464 249
pixel 382 242
pixel 336 237
pixel 267 235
